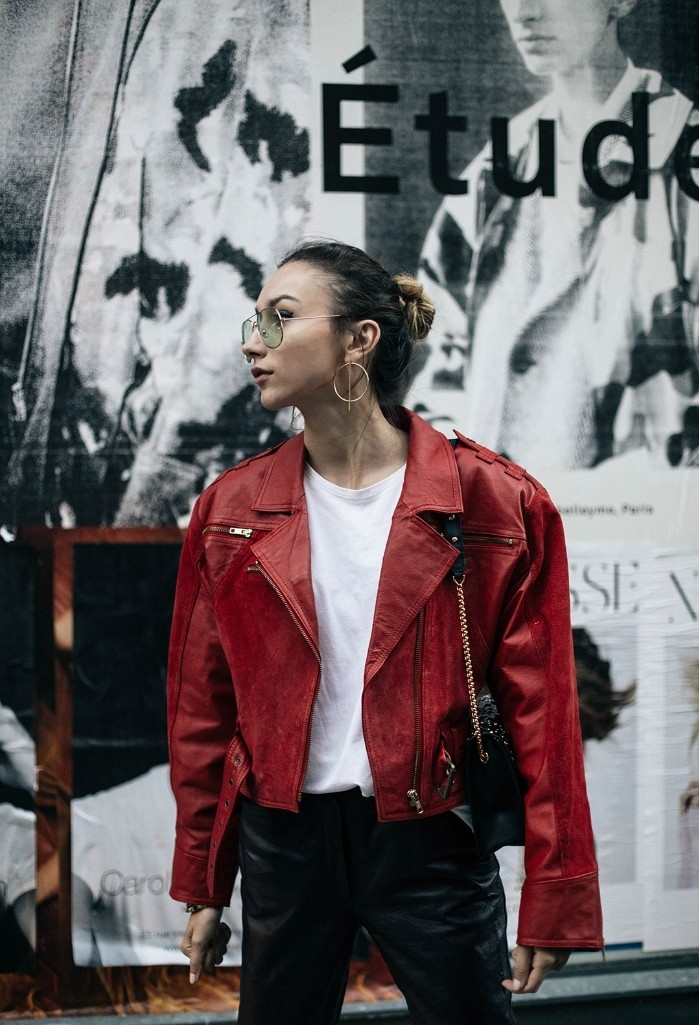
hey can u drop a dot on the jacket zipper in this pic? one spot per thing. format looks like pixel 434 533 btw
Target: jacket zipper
pixel 492 539
pixel 256 568
pixel 412 794
pixel 231 531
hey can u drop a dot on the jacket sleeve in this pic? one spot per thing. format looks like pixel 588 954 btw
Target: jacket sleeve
pixel 201 722
pixel 534 682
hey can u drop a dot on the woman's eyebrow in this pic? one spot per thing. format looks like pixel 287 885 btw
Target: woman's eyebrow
pixel 278 298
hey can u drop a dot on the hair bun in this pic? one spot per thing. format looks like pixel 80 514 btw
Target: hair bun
pixel 418 308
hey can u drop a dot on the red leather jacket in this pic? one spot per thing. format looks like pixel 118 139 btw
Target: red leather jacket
pixel 245 665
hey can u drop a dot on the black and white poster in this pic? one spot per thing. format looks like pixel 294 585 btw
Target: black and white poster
pixel 563 253
pixel 535 162
pixel 180 174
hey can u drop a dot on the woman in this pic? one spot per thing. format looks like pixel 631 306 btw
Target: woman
pixel 317 691
pixel 571 321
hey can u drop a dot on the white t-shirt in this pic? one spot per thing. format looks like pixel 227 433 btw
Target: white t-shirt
pixel 348 531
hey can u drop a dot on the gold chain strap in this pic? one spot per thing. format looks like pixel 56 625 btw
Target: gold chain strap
pixel 482 753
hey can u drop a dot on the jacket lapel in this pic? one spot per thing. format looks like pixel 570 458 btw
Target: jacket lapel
pixel 416 561
pixel 417 557
pixel 285 553
pixel 285 556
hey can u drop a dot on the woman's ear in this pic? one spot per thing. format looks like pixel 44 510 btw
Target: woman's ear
pixel 364 339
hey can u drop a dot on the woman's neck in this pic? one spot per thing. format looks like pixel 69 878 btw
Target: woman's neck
pixel 354 447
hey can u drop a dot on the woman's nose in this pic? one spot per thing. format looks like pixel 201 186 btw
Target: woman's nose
pixel 254 346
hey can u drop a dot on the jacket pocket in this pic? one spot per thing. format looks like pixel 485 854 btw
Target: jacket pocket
pixel 225 544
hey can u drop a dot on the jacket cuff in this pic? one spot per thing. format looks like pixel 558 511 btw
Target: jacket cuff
pixel 189 882
pixel 561 913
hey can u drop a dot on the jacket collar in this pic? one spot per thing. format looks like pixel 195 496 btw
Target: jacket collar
pixel 431 477
pixel 282 485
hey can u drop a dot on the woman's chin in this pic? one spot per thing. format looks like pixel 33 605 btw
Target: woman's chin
pixel 273 403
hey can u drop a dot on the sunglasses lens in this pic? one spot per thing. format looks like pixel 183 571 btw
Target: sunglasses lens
pixel 246 330
pixel 270 327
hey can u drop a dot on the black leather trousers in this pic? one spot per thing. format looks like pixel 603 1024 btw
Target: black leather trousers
pixel 435 910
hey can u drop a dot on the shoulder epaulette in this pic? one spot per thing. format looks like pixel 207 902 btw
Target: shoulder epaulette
pixel 490 457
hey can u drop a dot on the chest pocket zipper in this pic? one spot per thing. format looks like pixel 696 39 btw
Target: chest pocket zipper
pixel 491 539
pixel 228 531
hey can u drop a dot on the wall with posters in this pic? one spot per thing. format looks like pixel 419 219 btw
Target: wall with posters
pixel 158 157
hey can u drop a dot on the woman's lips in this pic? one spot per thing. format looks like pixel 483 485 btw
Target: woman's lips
pixel 261 375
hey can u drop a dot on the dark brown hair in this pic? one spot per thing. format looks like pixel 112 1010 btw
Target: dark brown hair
pixel 364 290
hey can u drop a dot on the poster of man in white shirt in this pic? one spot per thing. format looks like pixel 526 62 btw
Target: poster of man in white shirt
pixel 563 251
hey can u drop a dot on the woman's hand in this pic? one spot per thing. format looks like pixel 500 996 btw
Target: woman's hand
pixel 205 940
pixel 532 965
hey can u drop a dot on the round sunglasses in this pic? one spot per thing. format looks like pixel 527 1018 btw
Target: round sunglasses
pixel 270 325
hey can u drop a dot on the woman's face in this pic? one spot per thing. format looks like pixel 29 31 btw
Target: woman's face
pixel 300 371
pixel 557 37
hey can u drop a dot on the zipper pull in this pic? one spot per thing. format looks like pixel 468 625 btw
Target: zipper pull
pixel 414 801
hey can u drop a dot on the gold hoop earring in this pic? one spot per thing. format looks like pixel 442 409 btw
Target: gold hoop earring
pixel 350 398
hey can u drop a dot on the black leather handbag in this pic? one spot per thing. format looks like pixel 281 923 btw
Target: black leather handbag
pixel 493 783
